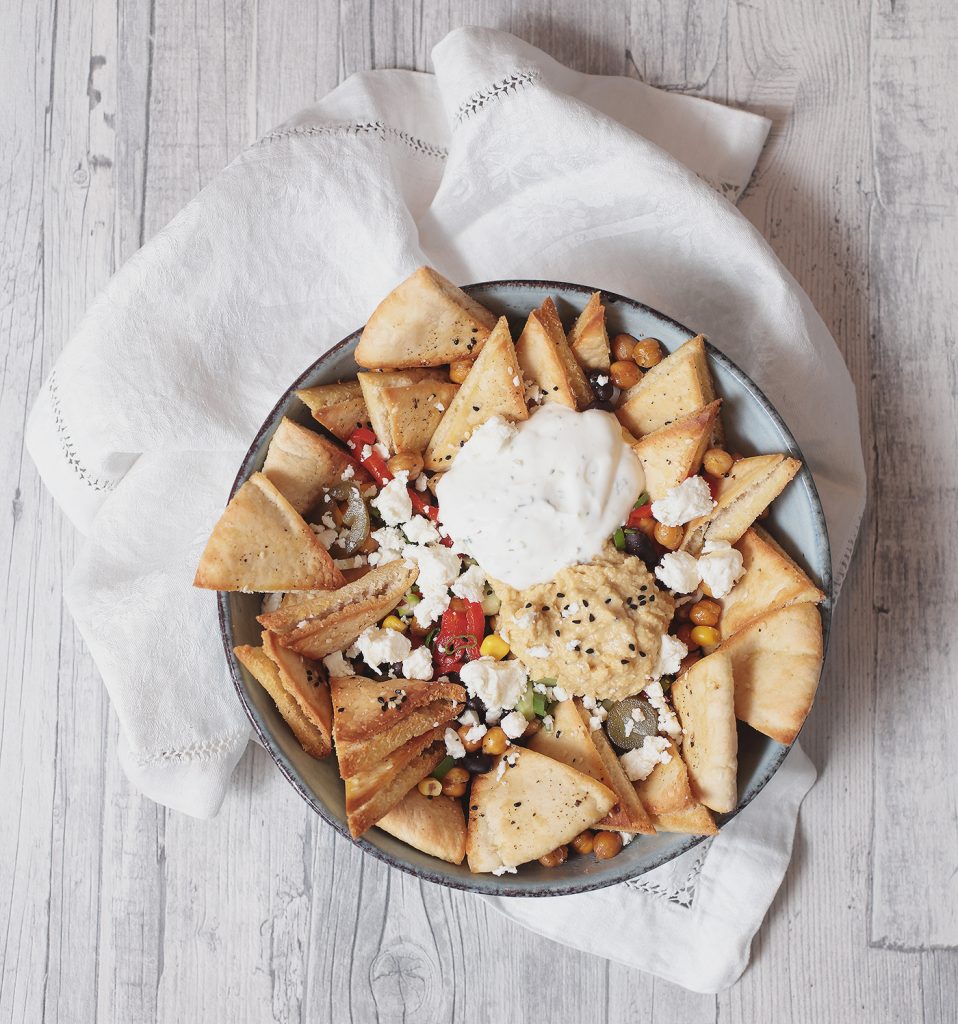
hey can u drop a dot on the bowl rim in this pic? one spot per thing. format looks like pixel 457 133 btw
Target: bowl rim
pixel 561 887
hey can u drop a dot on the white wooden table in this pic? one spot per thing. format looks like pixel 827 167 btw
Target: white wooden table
pixel 112 909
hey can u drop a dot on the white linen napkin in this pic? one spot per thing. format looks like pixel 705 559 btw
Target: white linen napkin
pixel 502 164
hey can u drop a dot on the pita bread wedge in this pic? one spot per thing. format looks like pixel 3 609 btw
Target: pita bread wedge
pixel 262 544
pixel 493 387
pixel 262 669
pixel 434 825
pixel 776 664
pixel 406 412
pixel 546 359
pixel 331 621
pixel 373 384
pixel 526 806
pixel 374 793
pixel 337 407
pixel 424 321
pixel 742 496
pixel 772 580
pixel 589 339
pixel 372 718
pixel 669 800
pixel 300 463
pixel 670 454
pixel 704 699
pixel 303 680
pixel 674 388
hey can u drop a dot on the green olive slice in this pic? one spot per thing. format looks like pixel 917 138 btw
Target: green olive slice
pixel 355 519
pixel 645 723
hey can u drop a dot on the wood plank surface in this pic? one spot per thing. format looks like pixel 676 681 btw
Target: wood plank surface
pixel 113 909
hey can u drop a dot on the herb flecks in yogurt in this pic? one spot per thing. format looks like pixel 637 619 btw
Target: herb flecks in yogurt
pixel 528 499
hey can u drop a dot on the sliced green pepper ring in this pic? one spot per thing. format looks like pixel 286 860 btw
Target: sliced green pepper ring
pixel 646 724
pixel 355 518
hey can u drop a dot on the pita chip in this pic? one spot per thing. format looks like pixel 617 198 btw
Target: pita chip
pixel 434 825
pixel 337 407
pixel 672 453
pixel 589 339
pixel 704 700
pixel 668 797
pixel 303 680
pixel 493 387
pixel 526 806
pixel 300 463
pixel 424 321
pixel 405 406
pixel 373 384
pixel 546 359
pixel 261 544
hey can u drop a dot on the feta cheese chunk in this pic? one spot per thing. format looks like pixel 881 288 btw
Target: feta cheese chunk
pixel 393 502
pixel 668 722
pixel 336 665
pixel 683 503
pixel 671 653
pixel 454 747
pixel 418 664
pixel 498 684
pixel 391 543
pixel 720 566
pixel 420 530
pixel 476 733
pixel 382 646
pixel 679 571
pixel 471 585
pixel 514 724
pixel 638 763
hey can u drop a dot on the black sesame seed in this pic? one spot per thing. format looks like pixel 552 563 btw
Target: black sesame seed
pixel 590 650
pixel 624 661
pixel 644 587
pixel 560 595
pixel 631 647
pixel 586 603
pixel 558 633
pixel 591 617
pixel 528 604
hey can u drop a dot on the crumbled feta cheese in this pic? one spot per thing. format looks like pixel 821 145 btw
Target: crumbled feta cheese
pixel 430 608
pixel 418 664
pixel 325 535
pixel 365 452
pixel 493 716
pixel 538 651
pixel 469 717
pixel 509 760
pixel 638 763
pixel 391 543
pixel 548 723
pixel 476 733
pixel 514 724
pixel 627 726
pixel 626 838
pixel 595 722
pixel 683 503
pixel 393 502
pixel 438 566
pixel 498 684
pixel 420 530
pixel 559 693
pixel 671 653
pixel 356 562
pixel 382 646
pixel 679 571
pixel 348 472
pixel 454 747
pixel 524 620
pixel 668 723
pixel 471 585
pixel 720 566
pixel 504 869
pixel 336 665
pixel 589 702
pixel 569 610
pixel 382 450
pixel 271 602
pixel 422 482
pixel 601 380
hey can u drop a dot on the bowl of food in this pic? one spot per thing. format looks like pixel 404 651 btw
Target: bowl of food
pixel 524 588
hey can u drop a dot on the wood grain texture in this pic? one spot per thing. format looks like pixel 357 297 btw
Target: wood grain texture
pixel 113 909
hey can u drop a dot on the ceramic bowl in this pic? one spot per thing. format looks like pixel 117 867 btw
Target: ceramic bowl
pixel 797 522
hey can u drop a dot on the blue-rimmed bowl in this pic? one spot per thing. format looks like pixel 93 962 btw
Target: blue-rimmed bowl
pixel 752 426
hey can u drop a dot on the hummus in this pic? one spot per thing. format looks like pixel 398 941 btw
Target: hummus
pixel 595 628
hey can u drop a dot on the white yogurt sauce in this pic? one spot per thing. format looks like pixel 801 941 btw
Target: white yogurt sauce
pixel 528 499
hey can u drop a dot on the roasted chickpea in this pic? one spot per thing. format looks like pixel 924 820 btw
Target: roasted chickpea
pixel 406 462
pixel 584 842
pixel 623 346
pixel 558 856
pixel 456 776
pixel 624 373
pixel 471 745
pixel 706 636
pixel 669 536
pixel 459 370
pixel 607 845
pixel 706 589
pixel 684 633
pixel 717 462
pixel 705 612
pixel 532 727
pixel 648 353
pixel 453 789
pixel 647 526
pixel 430 786
pixel 495 741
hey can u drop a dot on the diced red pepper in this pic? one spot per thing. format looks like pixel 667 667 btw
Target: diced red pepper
pixel 713 482
pixel 642 512
pixel 361 438
pixel 460 636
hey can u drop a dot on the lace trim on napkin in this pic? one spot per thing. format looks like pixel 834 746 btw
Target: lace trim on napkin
pixel 509 85
pixel 206 750
pixel 66 441
pixel 380 128
pixel 682 895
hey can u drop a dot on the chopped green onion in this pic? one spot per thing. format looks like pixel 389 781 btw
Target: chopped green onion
pixel 547 681
pixel 526 703
pixel 444 765
pixel 408 603
pixel 618 539
pixel 539 705
pixel 666 682
pixel 430 636
pixel 643 500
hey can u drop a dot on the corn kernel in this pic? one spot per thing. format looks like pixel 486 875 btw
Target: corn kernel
pixel 430 787
pixel 394 622
pixel 494 647
pixel 706 636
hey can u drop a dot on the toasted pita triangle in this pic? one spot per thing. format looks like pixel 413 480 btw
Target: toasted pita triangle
pixel 493 387
pixel 678 386
pixel 373 793
pixel 262 669
pixel 434 825
pixel 589 339
pixel 529 808
pixel 668 797
pixel 772 580
pixel 262 544
pixel 374 384
pixel 776 664
pixel 413 413
pixel 704 699
pixel 670 454
pixel 424 321
pixel 369 722
pixel 300 463
pixel 742 496
pixel 546 359
pixel 331 621
pixel 337 407
pixel 303 681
